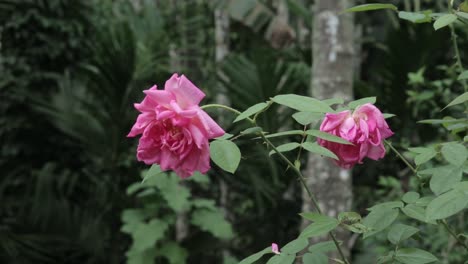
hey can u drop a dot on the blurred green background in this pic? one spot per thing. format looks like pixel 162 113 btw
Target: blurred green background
pixel 70 71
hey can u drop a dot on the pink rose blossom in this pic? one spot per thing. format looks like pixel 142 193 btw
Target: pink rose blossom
pixel 275 249
pixel 365 128
pixel 175 131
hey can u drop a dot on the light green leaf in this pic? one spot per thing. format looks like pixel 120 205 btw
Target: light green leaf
pixel 349 217
pixel 414 256
pixel 146 235
pixel 175 194
pixel 141 257
pixel 286 147
pixel 460 99
pixel 213 222
pixel 323 247
pixel 462 14
pixel 454 153
pixel 379 219
pixel 359 102
pixel 173 252
pixel 369 7
pixel 251 130
pixel 416 212
pixel 282 259
pixel 152 172
pixel 252 258
pixel 400 232
pixel 315 148
pixel 447 205
pixel 444 21
pixel 410 197
pixel 415 17
pixel 295 246
pixel 333 101
pixel 328 137
pixel 314 258
pixel 302 103
pixel 393 204
pixel 251 111
pixel 285 133
pixel 306 118
pixel 225 154
pixel 322 224
pixel 424 155
pixel 444 178
pixel 463 76
pixel 386 115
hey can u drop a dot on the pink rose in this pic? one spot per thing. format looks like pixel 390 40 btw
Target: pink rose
pixel 366 128
pixel 175 131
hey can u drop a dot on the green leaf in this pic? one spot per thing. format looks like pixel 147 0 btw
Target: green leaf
pixel 323 247
pixel 315 148
pixel 334 101
pixel 444 21
pixel 321 224
pixel 379 219
pixel 454 153
pixel 416 212
pixel 286 147
pixel 314 258
pixel 393 204
pixel 415 17
pixel 251 130
pixel 295 246
pixel 213 222
pixel 359 102
pixel 328 137
pixel 225 154
pixel 173 252
pixel 251 111
pixel 152 172
pixel 282 259
pixel 306 118
pixel 414 256
pixel 386 115
pixel 285 133
pixel 175 194
pixel 146 235
pixel 460 99
pixel 369 7
pixel 447 205
pixel 444 178
pixel 463 76
pixel 141 257
pixel 302 103
pixel 424 155
pixel 462 14
pixel 410 197
pixel 252 258
pixel 400 232
pixel 349 217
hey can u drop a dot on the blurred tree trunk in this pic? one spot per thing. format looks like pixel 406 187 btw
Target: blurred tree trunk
pixel 221 19
pixel 332 77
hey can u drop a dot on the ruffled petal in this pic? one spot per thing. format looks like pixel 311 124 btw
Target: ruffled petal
pixel 186 93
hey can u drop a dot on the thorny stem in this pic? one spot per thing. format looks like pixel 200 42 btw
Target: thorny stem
pixel 450 231
pixel 401 156
pixel 294 168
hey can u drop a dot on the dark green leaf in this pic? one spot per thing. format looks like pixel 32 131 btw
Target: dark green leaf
pixel 251 130
pixel 379 219
pixel 282 259
pixel 321 224
pixel 306 118
pixel 323 247
pixel 285 133
pixel 410 197
pixel 286 147
pixel 416 212
pixel 173 252
pixel 362 101
pixel 314 258
pixel 295 246
pixel 444 178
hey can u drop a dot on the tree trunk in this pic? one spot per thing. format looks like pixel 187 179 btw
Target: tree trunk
pixel 221 19
pixel 332 77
